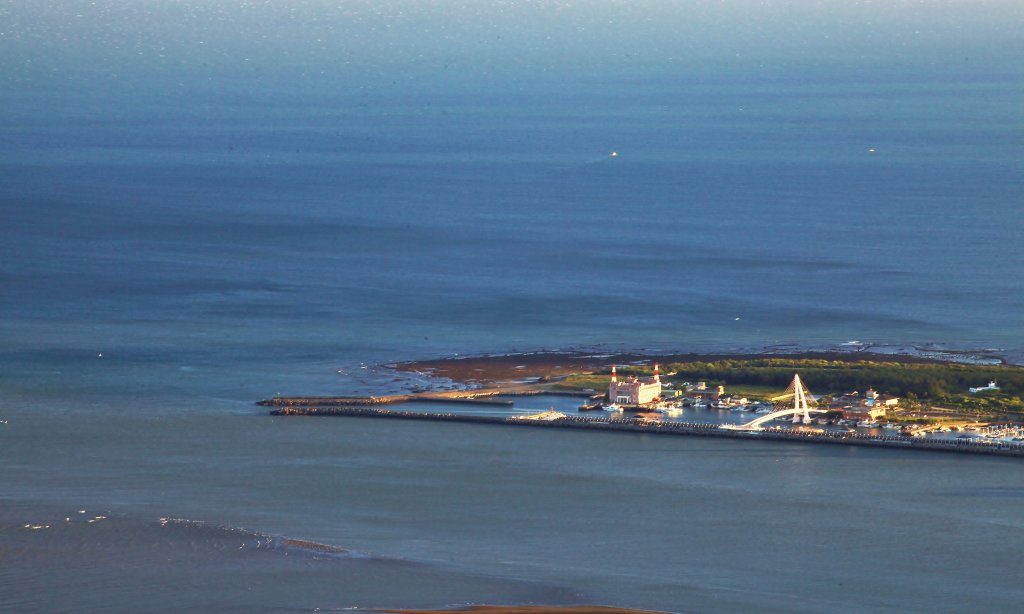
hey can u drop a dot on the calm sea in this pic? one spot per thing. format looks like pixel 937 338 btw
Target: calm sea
pixel 171 251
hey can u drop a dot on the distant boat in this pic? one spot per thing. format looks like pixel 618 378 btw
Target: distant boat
pixel 613 407
pixel 670 410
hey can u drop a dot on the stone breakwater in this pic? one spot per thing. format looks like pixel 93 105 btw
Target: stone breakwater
pixel 320 402
pixel 639 425
pixel 470 397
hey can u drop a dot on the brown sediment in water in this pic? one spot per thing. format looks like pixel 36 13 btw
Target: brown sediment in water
pixel 514 367
pixel 312 546
pixel 529 609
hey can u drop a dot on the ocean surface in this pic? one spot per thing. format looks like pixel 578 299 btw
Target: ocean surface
pixel 183 234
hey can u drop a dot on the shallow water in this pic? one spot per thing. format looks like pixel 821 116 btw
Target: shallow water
pixel 436 514
pixel 191 225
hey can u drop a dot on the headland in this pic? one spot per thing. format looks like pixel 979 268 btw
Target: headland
pixel 922 399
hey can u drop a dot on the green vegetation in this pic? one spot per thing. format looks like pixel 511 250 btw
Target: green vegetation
pixel 582 381
pixel 931 383
pixel 753 392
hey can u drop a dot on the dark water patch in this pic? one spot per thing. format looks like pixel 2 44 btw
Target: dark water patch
pixel 123 563
pixel 990 492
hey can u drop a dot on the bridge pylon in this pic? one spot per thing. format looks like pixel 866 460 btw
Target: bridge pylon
pixel 800 395
pixel 797 401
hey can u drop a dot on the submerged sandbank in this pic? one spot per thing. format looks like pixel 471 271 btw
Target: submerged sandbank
pixel 529 609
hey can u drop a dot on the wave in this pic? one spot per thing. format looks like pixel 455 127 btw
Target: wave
pixel 259 540
pixel 70 564
pixel 115 533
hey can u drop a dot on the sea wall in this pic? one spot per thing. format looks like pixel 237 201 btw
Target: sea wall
pixel 483 396
pixel 481 399
pixel 634 425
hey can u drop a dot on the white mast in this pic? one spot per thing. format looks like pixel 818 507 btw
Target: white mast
pixel 800 401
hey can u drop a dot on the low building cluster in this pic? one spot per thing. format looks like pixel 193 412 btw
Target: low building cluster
pixel 701 393
pixel 868 405
pixel 637 391
pixel 991 386
pixel 651 392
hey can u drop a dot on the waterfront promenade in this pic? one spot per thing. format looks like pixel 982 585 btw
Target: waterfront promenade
pixel 696 429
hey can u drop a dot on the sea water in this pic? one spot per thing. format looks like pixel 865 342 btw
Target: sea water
pixel 175 246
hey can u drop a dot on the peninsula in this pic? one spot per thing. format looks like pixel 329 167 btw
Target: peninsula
pixel 922 399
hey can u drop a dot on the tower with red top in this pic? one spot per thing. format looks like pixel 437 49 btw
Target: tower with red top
pixel 634 390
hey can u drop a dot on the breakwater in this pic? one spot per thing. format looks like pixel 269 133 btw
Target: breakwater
pixel 698 429
pixel 314 402
pixel 483 396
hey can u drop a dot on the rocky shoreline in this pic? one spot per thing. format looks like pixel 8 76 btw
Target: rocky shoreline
pixel 477 398
pixel 546 367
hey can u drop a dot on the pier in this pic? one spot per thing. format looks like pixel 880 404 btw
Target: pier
pixel 483 396
pixel 463 398
pixel 692 429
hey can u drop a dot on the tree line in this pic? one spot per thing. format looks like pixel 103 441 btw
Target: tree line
pixel 933 381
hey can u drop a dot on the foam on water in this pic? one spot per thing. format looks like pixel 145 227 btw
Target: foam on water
pixel 173 564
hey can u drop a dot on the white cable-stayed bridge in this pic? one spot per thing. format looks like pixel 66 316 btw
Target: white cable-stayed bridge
pixel 797 401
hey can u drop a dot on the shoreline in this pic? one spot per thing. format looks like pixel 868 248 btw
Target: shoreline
pixel 925 382
pixel 528 609
pixel 482 379
pixel 686 429
pixel 482 396
pixel 544 367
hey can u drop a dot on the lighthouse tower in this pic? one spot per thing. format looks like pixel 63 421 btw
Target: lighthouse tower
pixel 633 390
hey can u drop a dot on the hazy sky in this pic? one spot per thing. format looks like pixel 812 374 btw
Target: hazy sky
pixel 109 41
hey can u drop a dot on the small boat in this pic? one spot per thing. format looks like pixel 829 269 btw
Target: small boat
pixel 612 407
pixel 544 416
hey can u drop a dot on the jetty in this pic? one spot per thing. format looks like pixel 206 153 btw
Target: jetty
pixel 482 396
pixel 650 426
pixel 473 399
